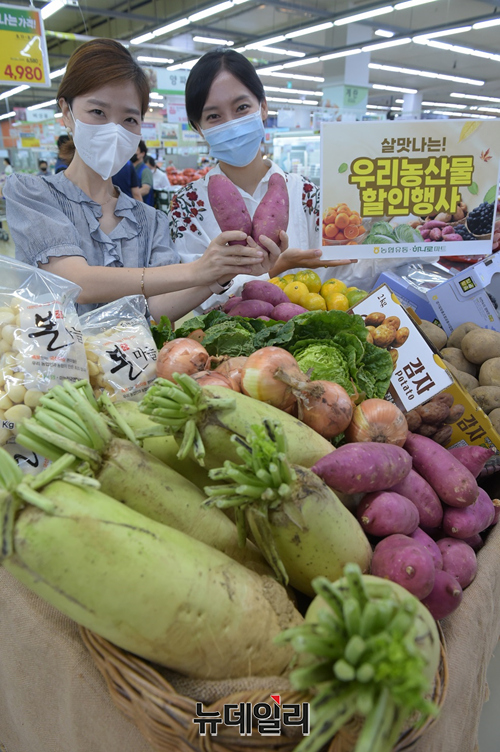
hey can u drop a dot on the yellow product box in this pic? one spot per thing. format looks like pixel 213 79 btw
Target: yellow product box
pixel 420 376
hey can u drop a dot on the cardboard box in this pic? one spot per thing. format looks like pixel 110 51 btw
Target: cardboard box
pixel 408 294
pixel 420 374
pixel 471 295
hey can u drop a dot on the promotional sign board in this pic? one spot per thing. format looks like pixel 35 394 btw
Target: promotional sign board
pixel 410 188
pixel 23 51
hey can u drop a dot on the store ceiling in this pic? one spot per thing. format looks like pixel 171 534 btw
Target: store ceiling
pixel 250 22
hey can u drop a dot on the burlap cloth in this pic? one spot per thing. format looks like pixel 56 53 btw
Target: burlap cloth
pixel 52 698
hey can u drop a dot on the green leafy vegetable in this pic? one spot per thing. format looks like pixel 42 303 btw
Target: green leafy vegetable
pixel 162 332
pixel 325 362
pixel 407 234
pixel 382 228
pixel 229 338
pixel 373 239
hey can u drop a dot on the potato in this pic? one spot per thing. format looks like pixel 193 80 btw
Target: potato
pixel 487 397
pixel 456 412
pixel 494 416
pixel 478 346
pixel 464 379
pixel 401 336
pixel 433 413
pixel 455 355
pixel 374 319
pixel 445 397
pixel 393 321
pixel 443 435
pixel 434 333
pixel 384 336
pixel 489 374
pixel 457 335
pixel 414 421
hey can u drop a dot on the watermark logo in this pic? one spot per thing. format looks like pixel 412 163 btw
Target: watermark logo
pixel 269 718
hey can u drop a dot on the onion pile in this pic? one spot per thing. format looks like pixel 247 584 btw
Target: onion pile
pixel 181 356
pixel 378 420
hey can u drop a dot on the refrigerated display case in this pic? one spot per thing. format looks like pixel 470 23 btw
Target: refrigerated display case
pixel 298 151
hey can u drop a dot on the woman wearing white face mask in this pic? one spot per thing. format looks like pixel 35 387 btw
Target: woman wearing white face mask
pixel 78 225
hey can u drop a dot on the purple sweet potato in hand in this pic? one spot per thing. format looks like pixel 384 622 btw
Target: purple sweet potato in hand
pixel 407 563
pixel 364 467
pixel 260 290
pixel 459 560
pixel 271 215
pixel 228 206
pixel 445 596
pixel 385 513
pixel 425 540
pixel 468 521
pixel 453 483
pixel 429 506
pixel 472 457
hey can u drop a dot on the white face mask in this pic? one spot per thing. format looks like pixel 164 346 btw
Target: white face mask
pixel 104 148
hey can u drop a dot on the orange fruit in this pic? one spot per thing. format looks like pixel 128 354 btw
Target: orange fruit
pixel 336 302
pixel 361 230
pixel 351 232
pixel 330 231
pixel 279 282
pixel 332 286
pixel 311 280
pixel 288 277
pixel 313 302
pixel 340 236
pixel 342 220
pixel 354 219
pixel 295 291
pixel 330 217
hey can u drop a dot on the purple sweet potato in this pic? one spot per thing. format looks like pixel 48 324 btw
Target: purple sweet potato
pixel 271 215
pixel 472 457
pixel 459 560
pixel 425 540
pixel 475 542
pixel 252 309
pixel 385 513
pixel 407 563
pixel 453 483
pixel 286 311
pixel 364 467
pixel 228 206
pixel 416 488
pixel 467 521
pixel 259 290
pixel 445 596
pixel 231 302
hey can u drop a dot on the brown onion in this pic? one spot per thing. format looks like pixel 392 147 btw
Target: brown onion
pixel 258 378
pixel 232 368
pixel 324 406
pixel 211 378
pixel 378 420
pixel 181 356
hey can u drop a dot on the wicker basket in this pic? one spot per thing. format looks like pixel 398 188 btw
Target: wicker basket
pixel 165 717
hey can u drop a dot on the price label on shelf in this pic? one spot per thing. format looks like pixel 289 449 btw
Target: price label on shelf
pixel 23 50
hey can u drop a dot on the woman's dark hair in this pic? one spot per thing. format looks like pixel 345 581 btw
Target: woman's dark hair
pixel 202 76
pixel 6 159
pixel 63 139
pixel 149 161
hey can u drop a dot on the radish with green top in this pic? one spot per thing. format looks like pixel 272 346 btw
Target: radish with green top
pixel 299 524
pixel 367 649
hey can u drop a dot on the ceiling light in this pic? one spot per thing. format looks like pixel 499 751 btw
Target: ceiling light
pixel 16 90
pixel 155 95
pixel 185 65
pixel 345 53
pixel 58 115
pixel 52 7
pixel 171 27
pixel 155 104
pixel 143 38
pixel 209 40
pixel 210 11
pixel 279 51
pixel 304 91
pixel 292 101
pixel 296 76
pixel 488 109
pixel 445 104
pixel 40 106
pixel 394 88
pixel 385 45
pixel 362 16
pixel 376 107
pixel 476 97
pixel 57 73
pixel 443 33
pixel 304 61
pixel 425 74
pixel 384 33
pixel 309 30
pixel 272 112
pixel 7 115
pixel 411 4
pixel 487 24
pixel 266 42
pixel 158 60
pixel 462 115
pixel 458 49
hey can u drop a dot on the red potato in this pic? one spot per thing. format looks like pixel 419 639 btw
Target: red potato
pixel 459 560
pixel 472 457
pixel 453 483
pixel 425 540
pixel 416 488
pixel 229 304
pixel 228 206
pixel 258 290
pixel 407 563
pixel 385 513
pixel 271 215
pixel 445 596
pixel 364 467
pixel 468 521
pixel 286 311
pixel 252 309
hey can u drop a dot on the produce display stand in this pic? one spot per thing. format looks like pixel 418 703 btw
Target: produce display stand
pixel 53 698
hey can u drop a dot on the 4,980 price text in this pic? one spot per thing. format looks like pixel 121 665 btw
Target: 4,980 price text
pixel 27 72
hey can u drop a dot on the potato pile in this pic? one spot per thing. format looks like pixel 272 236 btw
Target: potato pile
pixel 386 331
pixel 434 419
pixel 472 354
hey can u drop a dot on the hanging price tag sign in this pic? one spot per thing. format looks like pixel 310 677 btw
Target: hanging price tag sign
pixel 23 50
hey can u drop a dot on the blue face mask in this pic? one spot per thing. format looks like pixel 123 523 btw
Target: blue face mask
pixel 236 142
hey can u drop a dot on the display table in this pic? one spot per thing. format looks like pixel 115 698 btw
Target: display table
pixel 53 699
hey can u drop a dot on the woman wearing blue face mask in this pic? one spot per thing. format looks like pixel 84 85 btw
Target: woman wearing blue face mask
pixel 78 225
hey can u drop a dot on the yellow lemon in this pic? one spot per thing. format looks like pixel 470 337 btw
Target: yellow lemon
pixel 350 289
pixel 333 285
pixel 335 301
pixel 279 282
pixel 295 291
pixel 310 279
pixel 288 277
pixel 313 302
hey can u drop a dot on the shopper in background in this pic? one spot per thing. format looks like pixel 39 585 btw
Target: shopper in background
pixel 144 174
pixel 43 167
pixel 76 225
pixel 127 181
pixel 64 153
pixel 7 167
pixel 160 180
